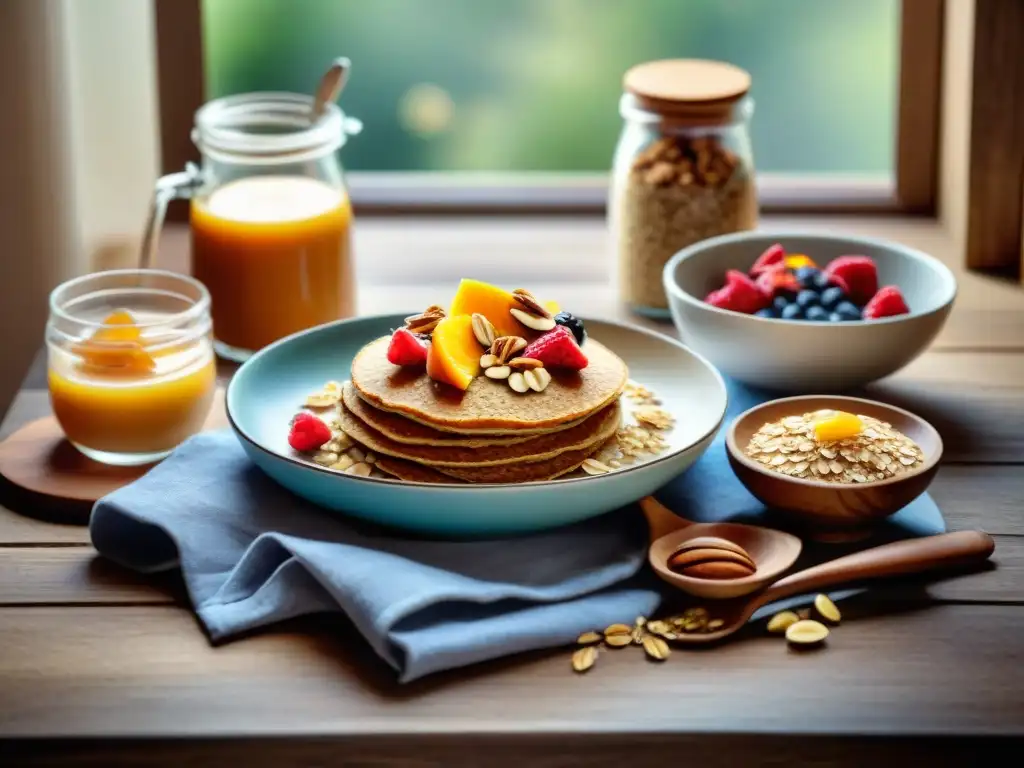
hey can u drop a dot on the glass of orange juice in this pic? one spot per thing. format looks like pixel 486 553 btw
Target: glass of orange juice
pixel 131 367
pixel 270 217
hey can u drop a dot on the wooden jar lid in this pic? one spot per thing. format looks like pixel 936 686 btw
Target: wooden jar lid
pixel 697 87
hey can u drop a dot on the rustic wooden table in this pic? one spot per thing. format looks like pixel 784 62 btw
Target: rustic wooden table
pixel 99 666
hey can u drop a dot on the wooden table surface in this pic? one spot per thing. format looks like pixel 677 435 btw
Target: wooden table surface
pixel 99 666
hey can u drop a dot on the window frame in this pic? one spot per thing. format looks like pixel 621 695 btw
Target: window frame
pixel 914 190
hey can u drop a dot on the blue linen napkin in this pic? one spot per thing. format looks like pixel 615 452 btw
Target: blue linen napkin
pixel 252 554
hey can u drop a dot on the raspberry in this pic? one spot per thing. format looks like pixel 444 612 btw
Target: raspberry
pixel 308 432
pixel 859 273
pixel 772 257
pixel 888 301
pixel 406 349
pixel 774 281
pixel 557 349
pixel 740 294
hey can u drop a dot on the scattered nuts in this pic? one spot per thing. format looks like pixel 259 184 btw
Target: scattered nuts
pixel 487 360
pixel 715 624
pixel 584 658
pixel 806 632
pixel 529 303
pixel 505 348
pixel 498 372
pixel 524 363
pixel 483 330
pixel 782 621
pixel 589 638
pixel 655 647
pixel 532 321
pixel 427 321
pixel 619 641
pixel 826 609
pixel 537 379
pixel 618 629
pixel 517 381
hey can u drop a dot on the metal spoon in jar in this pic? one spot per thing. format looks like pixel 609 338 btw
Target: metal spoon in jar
pixel 330 86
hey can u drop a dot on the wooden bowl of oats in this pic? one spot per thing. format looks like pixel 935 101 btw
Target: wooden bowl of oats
pixel 837 465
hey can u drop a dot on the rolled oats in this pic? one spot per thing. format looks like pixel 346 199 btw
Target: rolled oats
pixel 788 447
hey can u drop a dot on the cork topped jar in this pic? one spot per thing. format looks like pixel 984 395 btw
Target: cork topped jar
pixel 683 169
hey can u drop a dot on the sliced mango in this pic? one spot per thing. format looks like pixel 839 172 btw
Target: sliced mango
pixel 454 353
pixel 839 426
pixel 490 301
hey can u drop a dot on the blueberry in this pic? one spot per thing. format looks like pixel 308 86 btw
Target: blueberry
pixel 831 297
pixel 816 313
pixel 779 303
pixel 793 312
pixel 847 311
pixel 807 298
pixel 806 276
pixel 820 281
pixel 574 324
pixel 835 317
pixel 767 312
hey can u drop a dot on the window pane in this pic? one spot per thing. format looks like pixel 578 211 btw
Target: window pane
pixel 533 85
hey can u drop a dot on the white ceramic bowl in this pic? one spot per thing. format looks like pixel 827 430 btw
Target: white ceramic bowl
pixel 799 356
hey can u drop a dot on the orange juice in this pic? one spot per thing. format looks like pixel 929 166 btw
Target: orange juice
pixel 111 403
pixel 274 253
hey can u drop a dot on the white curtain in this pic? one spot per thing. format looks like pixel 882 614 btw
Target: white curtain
pixel 78 153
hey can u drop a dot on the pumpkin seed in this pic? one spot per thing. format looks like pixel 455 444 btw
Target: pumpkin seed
pixel 807 632
pixel 618 629
pixel 618 641
pixel 655 647
pixel 584 658
pixel 826 609
pixel 782 621
pixel 588 638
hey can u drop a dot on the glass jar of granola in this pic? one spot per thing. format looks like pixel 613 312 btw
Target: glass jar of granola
pixel 683 169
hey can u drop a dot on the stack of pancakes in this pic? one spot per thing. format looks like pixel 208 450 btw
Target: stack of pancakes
pixel 426 432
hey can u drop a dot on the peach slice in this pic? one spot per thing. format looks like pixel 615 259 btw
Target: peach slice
pixel 118 326
pixel 116 347
pixel 454 353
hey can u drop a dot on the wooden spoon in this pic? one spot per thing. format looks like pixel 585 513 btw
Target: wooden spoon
pixel 330 86
pixel 930 553
pixel 773 552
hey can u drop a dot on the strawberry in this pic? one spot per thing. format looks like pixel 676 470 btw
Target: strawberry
pixel 308 432
pixel 557 349
pixel 859 273
pixel 406 349
pixel 739 294
pixel 774 256
pixel 887 302
pixel 777 280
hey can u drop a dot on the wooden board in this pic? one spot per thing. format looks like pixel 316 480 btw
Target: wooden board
pixel 38 459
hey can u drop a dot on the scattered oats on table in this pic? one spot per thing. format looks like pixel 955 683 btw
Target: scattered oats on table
pixel 789 446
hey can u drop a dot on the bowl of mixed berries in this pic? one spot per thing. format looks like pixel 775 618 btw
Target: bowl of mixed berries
pixel 802 312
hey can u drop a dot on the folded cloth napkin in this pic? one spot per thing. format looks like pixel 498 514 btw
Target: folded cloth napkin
pixel 252 553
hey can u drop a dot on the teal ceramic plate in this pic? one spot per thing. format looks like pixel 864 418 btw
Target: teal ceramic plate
pixel 270 387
